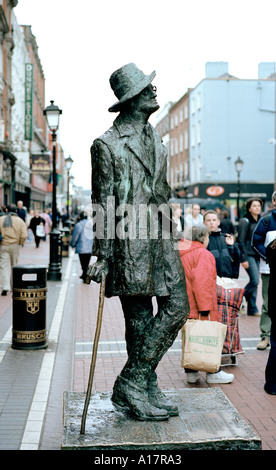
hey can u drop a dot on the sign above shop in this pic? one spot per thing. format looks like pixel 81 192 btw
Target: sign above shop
pixel 28 101
pixel 214 190
pixel 40 164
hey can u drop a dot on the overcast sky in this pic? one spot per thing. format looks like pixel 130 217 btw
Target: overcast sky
pixel 82 42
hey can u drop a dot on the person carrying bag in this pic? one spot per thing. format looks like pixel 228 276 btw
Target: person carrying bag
pixel 36 224
pixel 40 230
pixel 202 345
pixel 203 334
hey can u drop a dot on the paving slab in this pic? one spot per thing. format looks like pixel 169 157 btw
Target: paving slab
pixel 207 421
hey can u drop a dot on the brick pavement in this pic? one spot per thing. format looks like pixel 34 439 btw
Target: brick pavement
pixel 246 392
pixel 73 355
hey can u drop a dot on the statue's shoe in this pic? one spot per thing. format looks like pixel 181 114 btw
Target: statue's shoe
pixel 158 399
pixel 127 394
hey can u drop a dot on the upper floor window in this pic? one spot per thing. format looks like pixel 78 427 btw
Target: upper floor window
pixel 193 105
pixel 181 143
pixel 186 111
pixel 186 139
pixel 198 101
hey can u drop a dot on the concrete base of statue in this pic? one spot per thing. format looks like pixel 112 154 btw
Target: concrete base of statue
pixel 207 421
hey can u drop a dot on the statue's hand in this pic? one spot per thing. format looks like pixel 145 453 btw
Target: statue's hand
pixel 94 272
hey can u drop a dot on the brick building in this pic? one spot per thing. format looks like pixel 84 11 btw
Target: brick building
pixel 7 159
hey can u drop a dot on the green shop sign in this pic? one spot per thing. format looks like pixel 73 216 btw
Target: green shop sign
pixel 28 101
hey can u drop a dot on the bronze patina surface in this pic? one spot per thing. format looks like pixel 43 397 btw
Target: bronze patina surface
pixel 134 241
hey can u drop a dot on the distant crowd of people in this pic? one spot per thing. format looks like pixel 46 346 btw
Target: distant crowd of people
pixel 210 247
pixel 18 226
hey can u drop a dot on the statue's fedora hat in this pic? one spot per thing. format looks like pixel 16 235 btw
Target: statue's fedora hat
pixel 127 82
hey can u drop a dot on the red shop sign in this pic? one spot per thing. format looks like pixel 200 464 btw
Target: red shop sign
pixel 215 190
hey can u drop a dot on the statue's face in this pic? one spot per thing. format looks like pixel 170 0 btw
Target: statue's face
pixel 146 100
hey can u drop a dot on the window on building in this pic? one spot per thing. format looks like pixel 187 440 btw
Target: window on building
pixel 198 101
pixel 186 139
pixel 199 166
pixel 172 122
pixel 172 148
pixel 193 136
pixel 181 115
pixel 176 146
pixel 198 132
pixel 186 170
pixel 181 173
pixel 193 105
pixel 186 111
pixel 176 175
pixel 176 120
pixel 181 143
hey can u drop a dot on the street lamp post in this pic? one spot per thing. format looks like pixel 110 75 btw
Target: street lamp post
pixel 52 114
pixel 68 165
pixel 238 167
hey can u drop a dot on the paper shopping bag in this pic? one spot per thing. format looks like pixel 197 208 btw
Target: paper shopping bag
pixel 202 343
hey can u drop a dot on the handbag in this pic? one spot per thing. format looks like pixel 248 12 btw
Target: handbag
pixel 40 231
pixel 202 343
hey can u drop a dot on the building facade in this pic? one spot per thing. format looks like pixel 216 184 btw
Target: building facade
pixel 20 146
pixel 231 118
pixel 35 123
pixel 7 158
pixel 220 119
pixel 179 143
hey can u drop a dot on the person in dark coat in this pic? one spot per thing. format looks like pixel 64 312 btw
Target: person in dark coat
pixel 129 186
pixel 225 223
pixel 82 241
pixel 263 234
pixel 270 371
pixel 223 247
pixel 21 211
pixel 250 260
pixel 34 222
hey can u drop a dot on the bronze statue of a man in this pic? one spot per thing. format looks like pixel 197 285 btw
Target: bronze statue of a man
pixel 129 165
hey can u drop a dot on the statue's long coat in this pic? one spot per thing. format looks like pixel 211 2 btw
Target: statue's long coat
pixel 122 169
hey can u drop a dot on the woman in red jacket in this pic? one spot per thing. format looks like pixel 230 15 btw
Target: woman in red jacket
pixel 200 270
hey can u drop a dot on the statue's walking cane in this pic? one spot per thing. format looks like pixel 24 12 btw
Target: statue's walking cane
pixel 94 354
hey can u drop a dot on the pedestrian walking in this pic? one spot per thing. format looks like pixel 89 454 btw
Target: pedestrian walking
pixel 225 223
pixel 29 217
pixel 264 233
pixel 270 370
pixel 201 275
pixel 82 241
pixel 37 226
pixel 129 165
pixel 21 212
pixel 48 222
pixel 222 246
pixel 14 233
pixel 177 217
pixel 250 260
